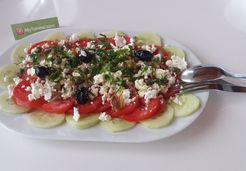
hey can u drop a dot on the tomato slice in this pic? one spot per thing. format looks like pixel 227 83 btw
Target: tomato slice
pixel 104 107
pixel 20 96
pixel 90 106
pixel 144 112
pixel 50 43
pixel 125 110
pixel 163 105
pixel 58 106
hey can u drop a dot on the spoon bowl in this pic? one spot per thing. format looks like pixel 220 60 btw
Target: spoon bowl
pixel 200 73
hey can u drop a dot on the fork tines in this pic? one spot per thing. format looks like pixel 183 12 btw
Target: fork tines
pixel 184 87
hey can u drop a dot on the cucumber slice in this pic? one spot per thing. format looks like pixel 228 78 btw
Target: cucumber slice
pixel 148 38
pixel 86 35
pixel 18 54
pixel 57 36
pixel 84 122
pixel 9 106
pixel 117 125
pixel 162 120
pixel 42 119
pixel 189 104
pixel 113 33
pixel 7 73
pixel 175 51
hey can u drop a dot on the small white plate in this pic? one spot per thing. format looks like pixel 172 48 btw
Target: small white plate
pixel 138 134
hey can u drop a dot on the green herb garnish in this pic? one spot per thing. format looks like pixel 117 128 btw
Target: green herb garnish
pixel 56 76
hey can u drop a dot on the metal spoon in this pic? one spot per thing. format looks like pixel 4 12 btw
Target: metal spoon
pixel 201 73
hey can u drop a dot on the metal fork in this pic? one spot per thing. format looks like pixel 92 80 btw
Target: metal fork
pixel 222 85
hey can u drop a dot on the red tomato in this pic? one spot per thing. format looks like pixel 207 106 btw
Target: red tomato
pixel 40 44
pixel 162 51
pixel 83 42
pixel 58 106
pixel 90 106
pixel 165 54
pixel 144 112
pixel 20 96
pixel 125 110
pixel 104 107
pixel 163 106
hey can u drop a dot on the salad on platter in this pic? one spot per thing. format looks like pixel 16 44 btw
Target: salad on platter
pixel 82 80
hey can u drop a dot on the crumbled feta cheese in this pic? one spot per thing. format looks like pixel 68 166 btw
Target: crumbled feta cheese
pixel 120 41
pixel 177 62
pixel 121 64
pixel 171 81
pixel 47 93
pixel 49 63
pixel 126 96
pixel 42 62
pixel 156 87
pixel 46 45
pixel 74 37
pixel 17 80
pixel 150 94
pixel 33 50
pixel 40 90
pixel 83 53
pixel 76 74
pixel 10 90
pixel 94 90
pixel 61 42
pixel 147 72
pixel 140 84
pixel 144 72
pixel 104 98
pixel 31 97
pixel 76 114
pixel 113 88
pixel 140 63
pixel 36 91
pixel 161 73
pixel 28 88
pixel 30 71
pixel 150 48
pixel 90 45
pixel 103 89
pixel 132 40
pixel 49 56
pixel 99 78
pixel 104 117
pixel 117 74
pixel 67 89
pixel 64 72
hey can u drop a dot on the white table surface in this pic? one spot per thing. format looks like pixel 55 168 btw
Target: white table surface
pixel 214 29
